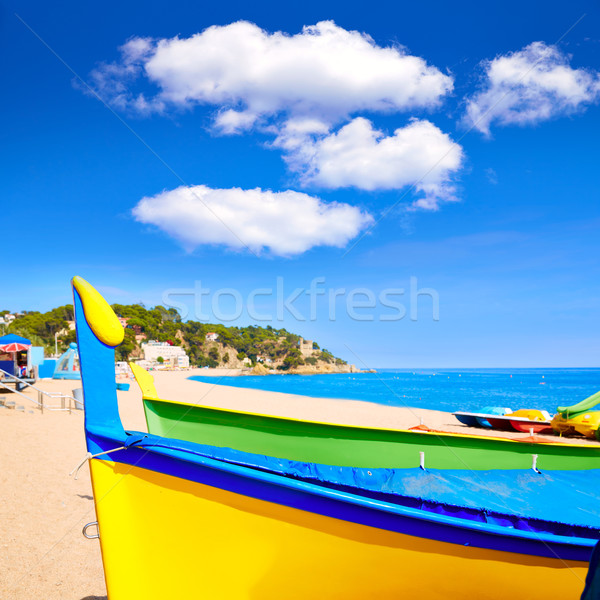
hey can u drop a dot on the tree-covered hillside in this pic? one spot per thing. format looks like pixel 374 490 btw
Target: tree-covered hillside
pixel 277 347
pixel 41 328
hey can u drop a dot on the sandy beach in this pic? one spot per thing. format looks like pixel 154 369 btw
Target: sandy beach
pixel 42 510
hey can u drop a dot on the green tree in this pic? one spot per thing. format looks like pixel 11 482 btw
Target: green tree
pixel 123 351
pixel 292 360
pixel 137 322
pixel 205 361
pixel 326 356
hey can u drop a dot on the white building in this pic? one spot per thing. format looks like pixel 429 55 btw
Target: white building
pixel 183 361
pixel 211 336
pixel 174 355
pixel 264 359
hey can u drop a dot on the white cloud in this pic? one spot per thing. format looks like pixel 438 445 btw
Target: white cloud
pixel 234 121
pixel 325 72
pixel 300 89
pixel 360 156
pixel 286 223
pixel 529 86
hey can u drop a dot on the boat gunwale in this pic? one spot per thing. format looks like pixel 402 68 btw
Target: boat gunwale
pixel 450 434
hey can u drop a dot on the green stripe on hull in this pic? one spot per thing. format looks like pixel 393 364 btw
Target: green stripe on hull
pixel 341 445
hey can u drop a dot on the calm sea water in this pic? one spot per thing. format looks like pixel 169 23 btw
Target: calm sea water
pixel 448 390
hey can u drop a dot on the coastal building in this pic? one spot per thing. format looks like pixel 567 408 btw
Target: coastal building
pixel 211 336
pixel 182 361
pixel 175 356
pixel 123 321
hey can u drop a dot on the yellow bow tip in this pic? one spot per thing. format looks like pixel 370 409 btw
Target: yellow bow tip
pixel 100 316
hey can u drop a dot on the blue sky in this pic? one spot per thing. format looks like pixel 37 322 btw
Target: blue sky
pixel 503 222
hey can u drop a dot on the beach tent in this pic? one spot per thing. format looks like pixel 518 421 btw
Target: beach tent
pixel 67 366
pixel 11 344
pixel 11 338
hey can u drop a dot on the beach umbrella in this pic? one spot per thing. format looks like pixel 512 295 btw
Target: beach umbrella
pixel 14 347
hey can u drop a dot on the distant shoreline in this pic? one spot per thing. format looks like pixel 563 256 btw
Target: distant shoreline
pixel 224 372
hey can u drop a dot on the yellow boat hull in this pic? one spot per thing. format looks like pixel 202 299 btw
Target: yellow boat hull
pixel 166 537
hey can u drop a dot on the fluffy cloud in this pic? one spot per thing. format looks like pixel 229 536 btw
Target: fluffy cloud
pixel 360 156
pixel 325 71
pixel 529 86
pixel 285 223
pixel 299 89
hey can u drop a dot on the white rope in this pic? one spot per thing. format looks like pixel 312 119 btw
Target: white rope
pixel 89 455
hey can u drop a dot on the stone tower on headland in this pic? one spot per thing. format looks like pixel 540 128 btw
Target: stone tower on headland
pixel 305 347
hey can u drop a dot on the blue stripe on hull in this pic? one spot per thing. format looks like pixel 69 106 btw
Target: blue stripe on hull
pixel 342 505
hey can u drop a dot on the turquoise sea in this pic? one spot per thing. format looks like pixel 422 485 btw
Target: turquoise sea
pixel 446 389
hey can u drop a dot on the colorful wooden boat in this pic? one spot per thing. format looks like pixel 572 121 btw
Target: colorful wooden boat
pixel 347 445
pixel 176 522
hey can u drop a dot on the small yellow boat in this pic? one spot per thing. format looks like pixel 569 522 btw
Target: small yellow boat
pixel 587 424
pixel 579 418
